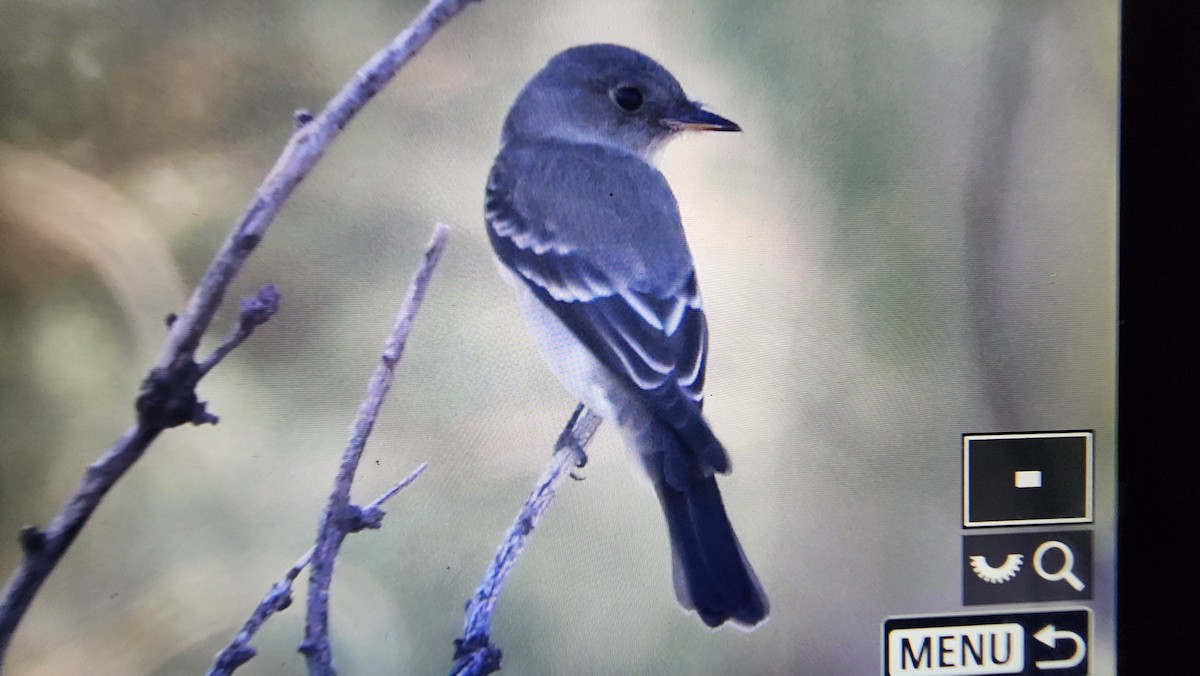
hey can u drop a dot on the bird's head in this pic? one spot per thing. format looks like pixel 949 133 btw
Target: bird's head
pixel 607 95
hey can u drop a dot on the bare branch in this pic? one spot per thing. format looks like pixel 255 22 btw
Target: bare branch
pixel 255 312
pixel 279 597
pixel 159 407
pixel 43 549
pixel 168 393
pixel 307 145
pixel 341 517
pixel 474 653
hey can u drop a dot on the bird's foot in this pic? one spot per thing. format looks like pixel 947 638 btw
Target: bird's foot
pixel 568 444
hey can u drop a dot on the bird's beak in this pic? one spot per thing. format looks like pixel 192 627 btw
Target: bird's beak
pixel 696 118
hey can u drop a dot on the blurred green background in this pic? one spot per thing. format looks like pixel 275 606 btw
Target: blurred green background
pixel 913 238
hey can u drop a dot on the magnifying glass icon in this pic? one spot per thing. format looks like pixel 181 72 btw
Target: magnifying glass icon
pixel 1066 572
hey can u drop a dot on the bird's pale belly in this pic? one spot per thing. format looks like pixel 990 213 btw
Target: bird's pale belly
pixel 577 368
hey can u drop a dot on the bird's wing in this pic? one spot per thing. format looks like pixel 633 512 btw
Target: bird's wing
pixel 618 276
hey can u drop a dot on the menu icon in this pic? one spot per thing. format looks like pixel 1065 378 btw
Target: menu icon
pixel 1046 643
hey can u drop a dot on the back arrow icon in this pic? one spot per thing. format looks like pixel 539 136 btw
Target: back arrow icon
pixel 1050 636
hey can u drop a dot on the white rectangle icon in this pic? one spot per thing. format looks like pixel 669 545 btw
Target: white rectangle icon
pixel 965 650
pixel 1086 500
pixel 1028 479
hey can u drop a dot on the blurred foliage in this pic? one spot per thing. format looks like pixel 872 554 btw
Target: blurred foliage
pixel 840 250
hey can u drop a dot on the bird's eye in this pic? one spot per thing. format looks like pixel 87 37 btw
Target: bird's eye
pixel 628 98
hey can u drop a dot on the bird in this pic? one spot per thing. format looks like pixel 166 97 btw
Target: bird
pixel 588 232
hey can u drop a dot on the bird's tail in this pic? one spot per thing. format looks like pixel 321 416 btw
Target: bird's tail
pixel 710 571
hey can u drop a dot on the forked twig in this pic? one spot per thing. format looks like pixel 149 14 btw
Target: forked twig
pixel 341 517
pixel 279 597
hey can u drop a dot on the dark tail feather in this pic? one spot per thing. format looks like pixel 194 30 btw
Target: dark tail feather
pixel 711 574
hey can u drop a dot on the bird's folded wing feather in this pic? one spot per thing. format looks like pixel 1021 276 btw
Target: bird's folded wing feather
pixel 617 285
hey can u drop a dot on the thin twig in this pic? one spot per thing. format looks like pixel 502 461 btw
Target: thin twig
pixel 474 653
pixel 168 393
pixel 255 312
pixel 341 517
pixel 279 597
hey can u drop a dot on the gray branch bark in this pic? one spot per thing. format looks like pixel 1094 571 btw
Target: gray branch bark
pixel 341 517
pixel 279 597
pixel 474 653
pixel 167 399
pixel 168 394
